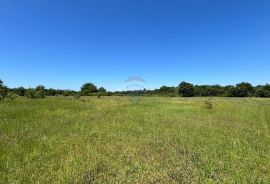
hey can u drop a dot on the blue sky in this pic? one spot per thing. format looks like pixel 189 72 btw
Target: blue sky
pixel 65 43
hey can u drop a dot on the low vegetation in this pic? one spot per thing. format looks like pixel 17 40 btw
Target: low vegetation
pixel 5 94
pixel 208 103
pixel 155 140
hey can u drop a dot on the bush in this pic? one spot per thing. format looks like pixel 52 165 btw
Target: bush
pixel 262 93
pixel 102 90
pixel 51 92
pixel 208 104
pixel 246 87
pixel 35 94
pixel 30 93
pixel 3 91
pixel 20 91
pixel 239 92
pixel 39 94
pixel 10 97
pixel 3 94
pixel 77 95
pixel 98 95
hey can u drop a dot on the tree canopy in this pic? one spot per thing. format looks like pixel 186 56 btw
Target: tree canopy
pixel 88 88
pixel 185 89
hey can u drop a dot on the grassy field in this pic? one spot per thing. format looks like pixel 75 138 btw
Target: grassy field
pixel 155 140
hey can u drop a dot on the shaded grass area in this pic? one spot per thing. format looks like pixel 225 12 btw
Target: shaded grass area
pixel 155 140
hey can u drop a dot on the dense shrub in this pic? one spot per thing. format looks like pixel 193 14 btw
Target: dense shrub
pixel 40 88
pixel 102 90
pixel 228 91
pixel 185 89
pixel 5 95
pixel 51 92
pixel 239 92
pixel 208 104
pixel 261 92
pixel 37 93
pixel 30 93
pixel 20 91
pixel 167 90
pixel 88 88
pixel 3 90
pixel 40 92
pixel 10 96
pixel 245 87
pixel 77 95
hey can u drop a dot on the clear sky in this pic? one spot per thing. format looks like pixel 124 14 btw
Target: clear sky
pixel 64 43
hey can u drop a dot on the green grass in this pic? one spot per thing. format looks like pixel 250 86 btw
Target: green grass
pixel 155 140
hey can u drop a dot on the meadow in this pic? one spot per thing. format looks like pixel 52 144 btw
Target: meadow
pixel 124 140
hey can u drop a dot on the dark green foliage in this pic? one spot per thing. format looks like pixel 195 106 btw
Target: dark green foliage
pixel 239 92
pixel 51 92
pixel 88 88
pixel 215 90
pixel 109 93
pixel 263 91
pixel 185 89
pixel 166 91
pixel 99 95
pixel 66 93
pixel 243 89
pixel 228 91
pixel 40 92
pixel 247 87
pixel 3 90
pixel 102 90
pixel 30 93
pixel 5 95
pixel 37 93
pixel 207 90
pixel 20 91
pixel 266 87
pixel 40 88
pixel 260 92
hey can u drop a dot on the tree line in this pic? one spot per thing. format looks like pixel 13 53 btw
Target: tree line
pixel 243 89
pixel 184 89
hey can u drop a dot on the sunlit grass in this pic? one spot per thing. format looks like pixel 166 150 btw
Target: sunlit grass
pixel 151 140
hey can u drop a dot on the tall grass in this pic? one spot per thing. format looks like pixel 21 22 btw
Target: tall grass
pixel 155 140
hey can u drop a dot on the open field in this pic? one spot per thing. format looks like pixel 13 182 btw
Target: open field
pixel 155 140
